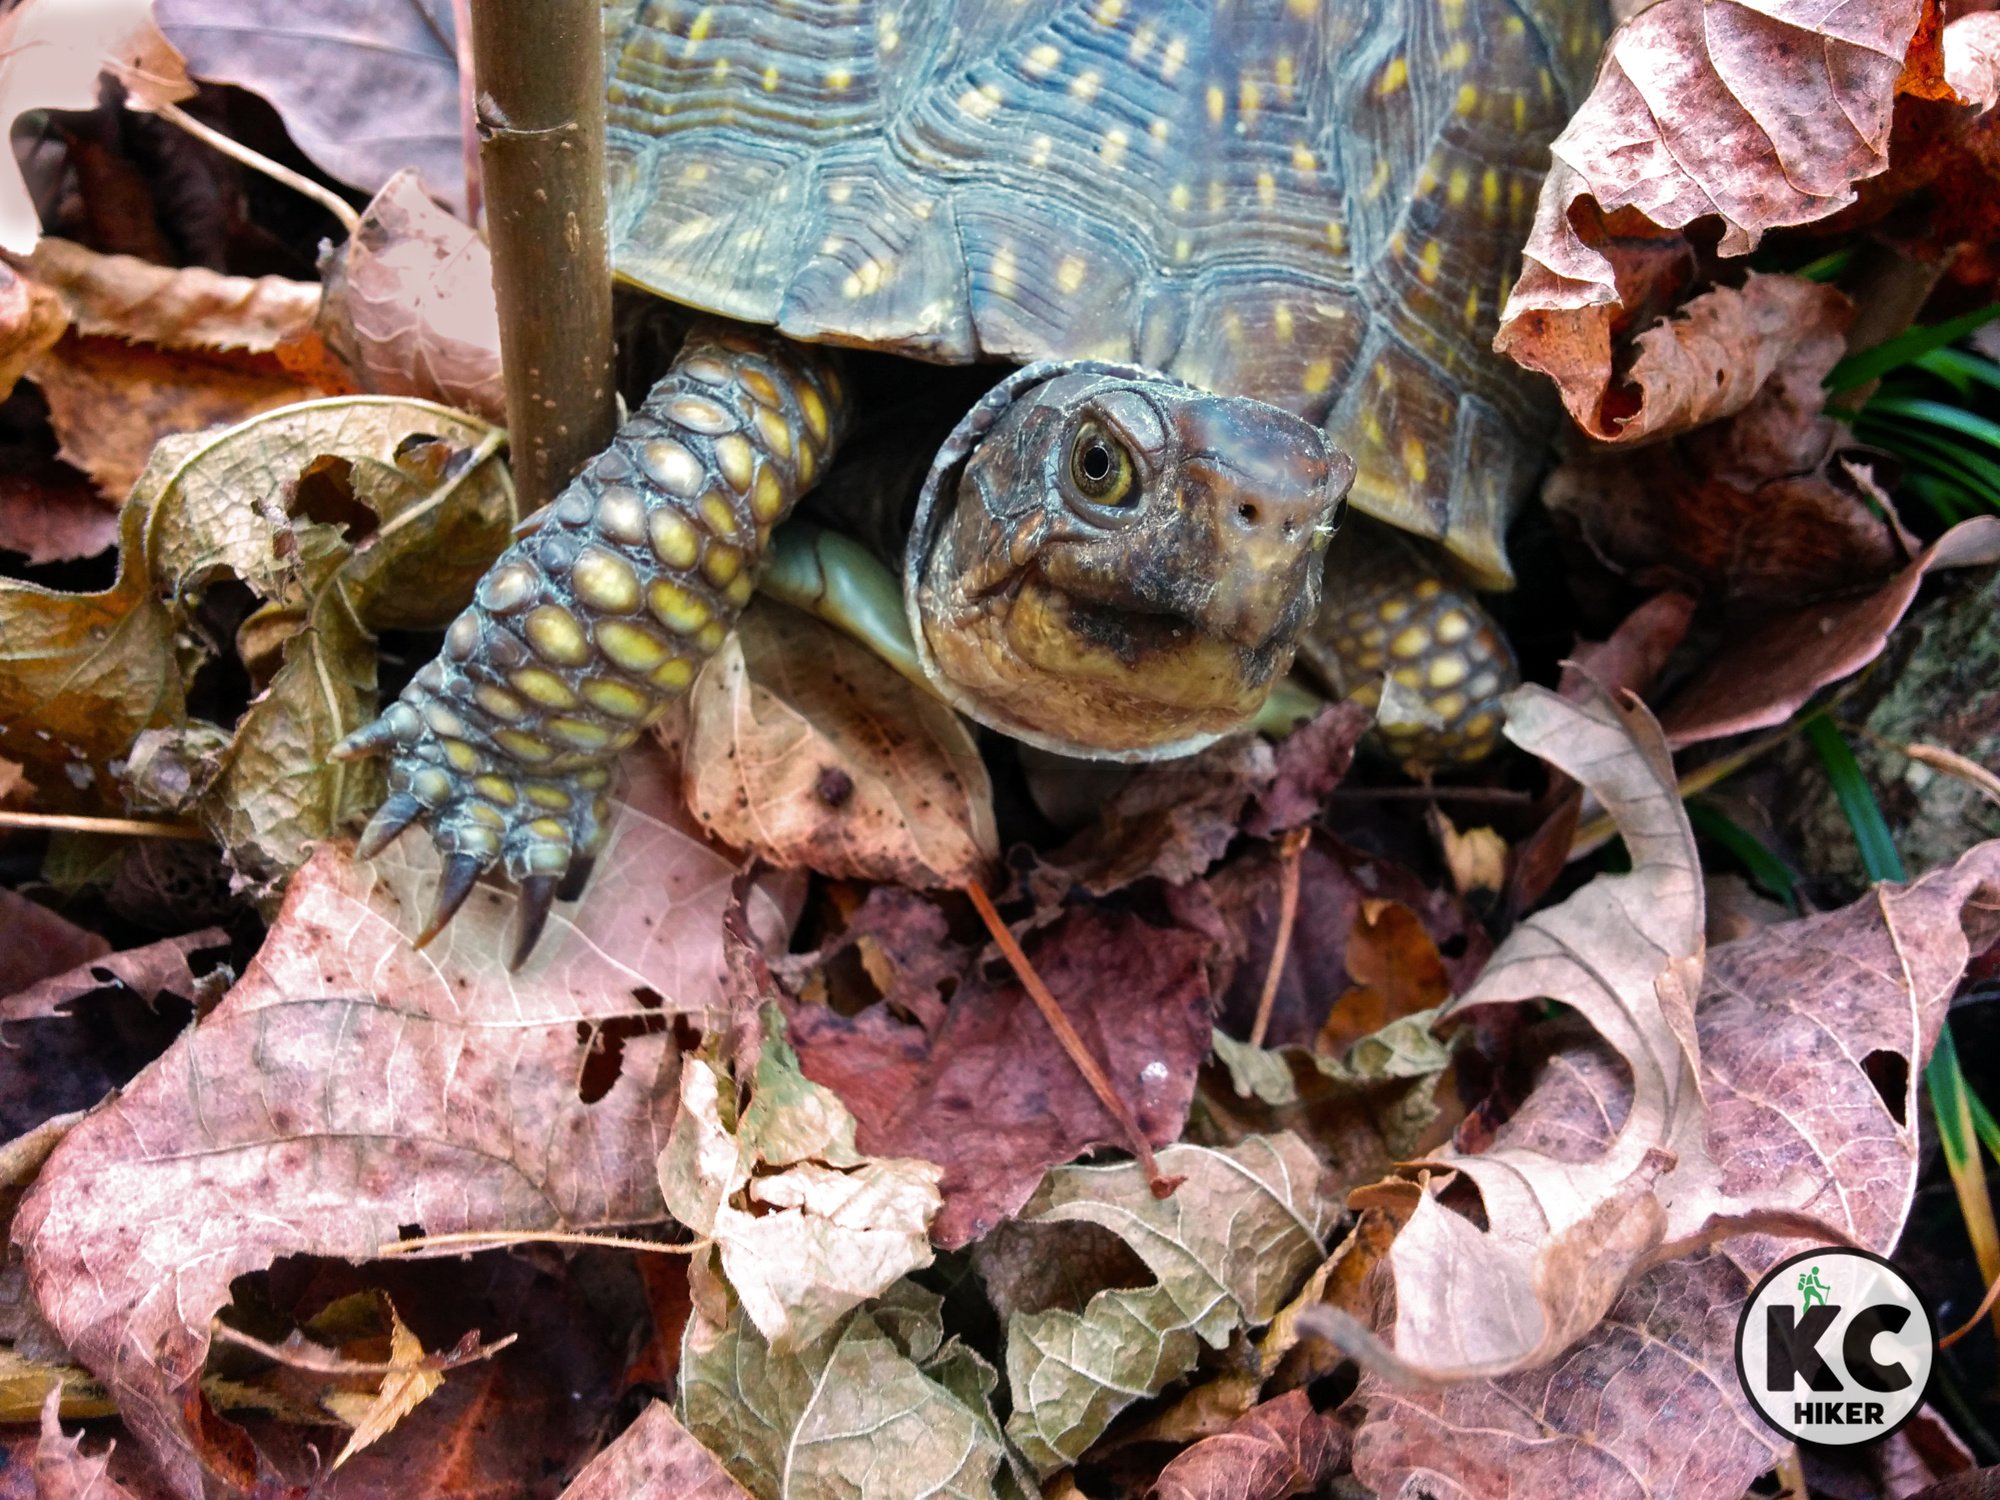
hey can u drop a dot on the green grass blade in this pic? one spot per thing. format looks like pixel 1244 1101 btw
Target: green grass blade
pixel 1912 344
pixel 1977 474
pixel 1961 367
pixel 1939 414
pixel 1857 800
pixel 1757 858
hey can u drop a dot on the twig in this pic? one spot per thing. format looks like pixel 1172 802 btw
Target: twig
pixel 126 827
pixel 494 1239
pixel 1073 1044
pixel 468 111
pixel 325 197
pixel 1291 855
pixel 540 69
pixel 298 1359
pixel 1497 795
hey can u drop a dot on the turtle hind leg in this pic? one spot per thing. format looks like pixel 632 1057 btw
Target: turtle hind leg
pixel 1399 631
pixel 582 633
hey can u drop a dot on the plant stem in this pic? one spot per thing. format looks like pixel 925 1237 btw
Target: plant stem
pixel 539 66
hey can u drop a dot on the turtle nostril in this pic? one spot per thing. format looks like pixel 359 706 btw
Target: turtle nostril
pixel 1247 513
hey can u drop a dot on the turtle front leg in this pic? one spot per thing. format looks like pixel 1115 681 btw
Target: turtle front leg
pixel 584 632
pixel 1399 631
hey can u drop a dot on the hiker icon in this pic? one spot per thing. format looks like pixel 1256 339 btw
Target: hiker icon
pixel 1812 1289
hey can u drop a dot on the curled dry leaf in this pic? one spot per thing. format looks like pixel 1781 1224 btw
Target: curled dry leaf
pixel 1795 1023
pixel 409 303
pixel 50 513
pixel 120 296
pixel 32 317
pixel 1762 508
pixel 1272 1451
pixel 418 505
pixel 146 972
pixel 883 1406
pixel 1758 115
pixel 37 943
pixel 808 749
pixel 806 1228
pixel 373 1415
pixel 1232 1242
pixel 62 1471
pixel 51 53
pixel 348 1087
pixel 990 1095
pixel 655 1459
pixel 1763 679
pixel 365 87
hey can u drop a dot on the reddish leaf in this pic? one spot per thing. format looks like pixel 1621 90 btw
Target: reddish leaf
pixel 1762 680
pixel 145 971
pixel 655 1459
pixel 36 943
pixel 348 1087
pixel 991 1096
pixel 1272 1451
pixel 63 1472
pixel 51 513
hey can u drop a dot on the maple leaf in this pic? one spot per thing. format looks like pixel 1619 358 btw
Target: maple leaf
pixel 348 1087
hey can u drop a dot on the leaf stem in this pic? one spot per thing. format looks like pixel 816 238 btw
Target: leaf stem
pixel 1291 855
pixel 123 827
pixel 325 197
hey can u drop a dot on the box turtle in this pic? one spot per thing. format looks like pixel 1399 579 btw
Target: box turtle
pixel 1249 251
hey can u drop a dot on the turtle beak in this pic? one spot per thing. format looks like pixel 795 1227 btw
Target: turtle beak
pixel 1267 486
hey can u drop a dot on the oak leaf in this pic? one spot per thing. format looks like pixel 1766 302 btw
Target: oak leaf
pixel 1272 1451
pixel 349 1087
pixel 806 748
pixel 654 1459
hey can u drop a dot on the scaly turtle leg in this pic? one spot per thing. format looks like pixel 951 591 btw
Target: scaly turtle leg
pixel 584 632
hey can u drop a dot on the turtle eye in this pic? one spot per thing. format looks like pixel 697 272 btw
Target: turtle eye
pixel 1100 467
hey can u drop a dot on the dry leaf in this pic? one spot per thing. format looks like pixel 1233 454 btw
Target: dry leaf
pixel 32 317
pixel 883 1408
pixel 1758 116
pixel 808 749
pixel 990 1095
pixel 1237 1236
pixel 120 296
pixel 1796 1022
pixel 1273 1451
pixel 62 1472
pixel 374 1417
pixel 806 1228
pixel 654 1459
pixel 37 943
pixel 146 972
pixel 409 304
pixel 348 1087
pixel 1761 680
pixel 50 513
pixel 365 89
pixel 51 52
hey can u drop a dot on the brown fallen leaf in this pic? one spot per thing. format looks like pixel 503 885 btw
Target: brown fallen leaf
pixel 409 303
pixel 50 56
pixel 374 1416
pixel 37 943
pixel 146 972
pixel 32 317
pixel 50 513
pixel 63 1472
pixel 120 296
pixel 807 749
pixel 990 1096
pixel 655 1459
pixel 1272 1451
pixel 1762 680
pixel 1397 971
pixel 1759 117
pixel 1793 1023
pixel 348 1087
pixel 367 88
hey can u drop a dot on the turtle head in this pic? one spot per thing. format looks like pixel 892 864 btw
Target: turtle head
pixel 1109 562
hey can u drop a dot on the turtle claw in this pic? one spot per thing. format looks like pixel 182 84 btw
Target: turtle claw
pixel 538 894
pixel 577 877
pixel 391 818
pixel 461 874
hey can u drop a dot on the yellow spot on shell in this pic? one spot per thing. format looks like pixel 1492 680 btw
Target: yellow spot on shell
pixel 1005 272
pixel 1284 72
pixel 556 636
pixel 540 685
pixel 1216 103
pixel 1431 261
pixel 1427 588
pixel 838 78
pixel 1183 247
pixel 1414 462
pixel 1040 61
pixel 1372 426
pixel 1111 151
pixel 1108 12
pixel 771 79
pixel 1479 726
pixel 605 581
pixel 1378 179
pixel 1142 42
pixel 1453 626
pixel 1249 97
pixel 1489 191
pixel 698 28
pixel 1468 98
pixel 1302 158
pixel 1336 236
pixel 1069 274
pixel 1318 376
pixel 1179 196
pixel 1390 610
pixel 1446 706
pixel 632 647
pixel 675 607
pixel 1158 131
pixel 1267 189
pixel 1472 305
pixel 675 541
pixel 1393 77
pixel 1281 322
pixel 1038 151
pixel 553 798
pixel 1459 188
pixel 1218 195
pixel 1457 55
pixel 1174 59
pixel 982 103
